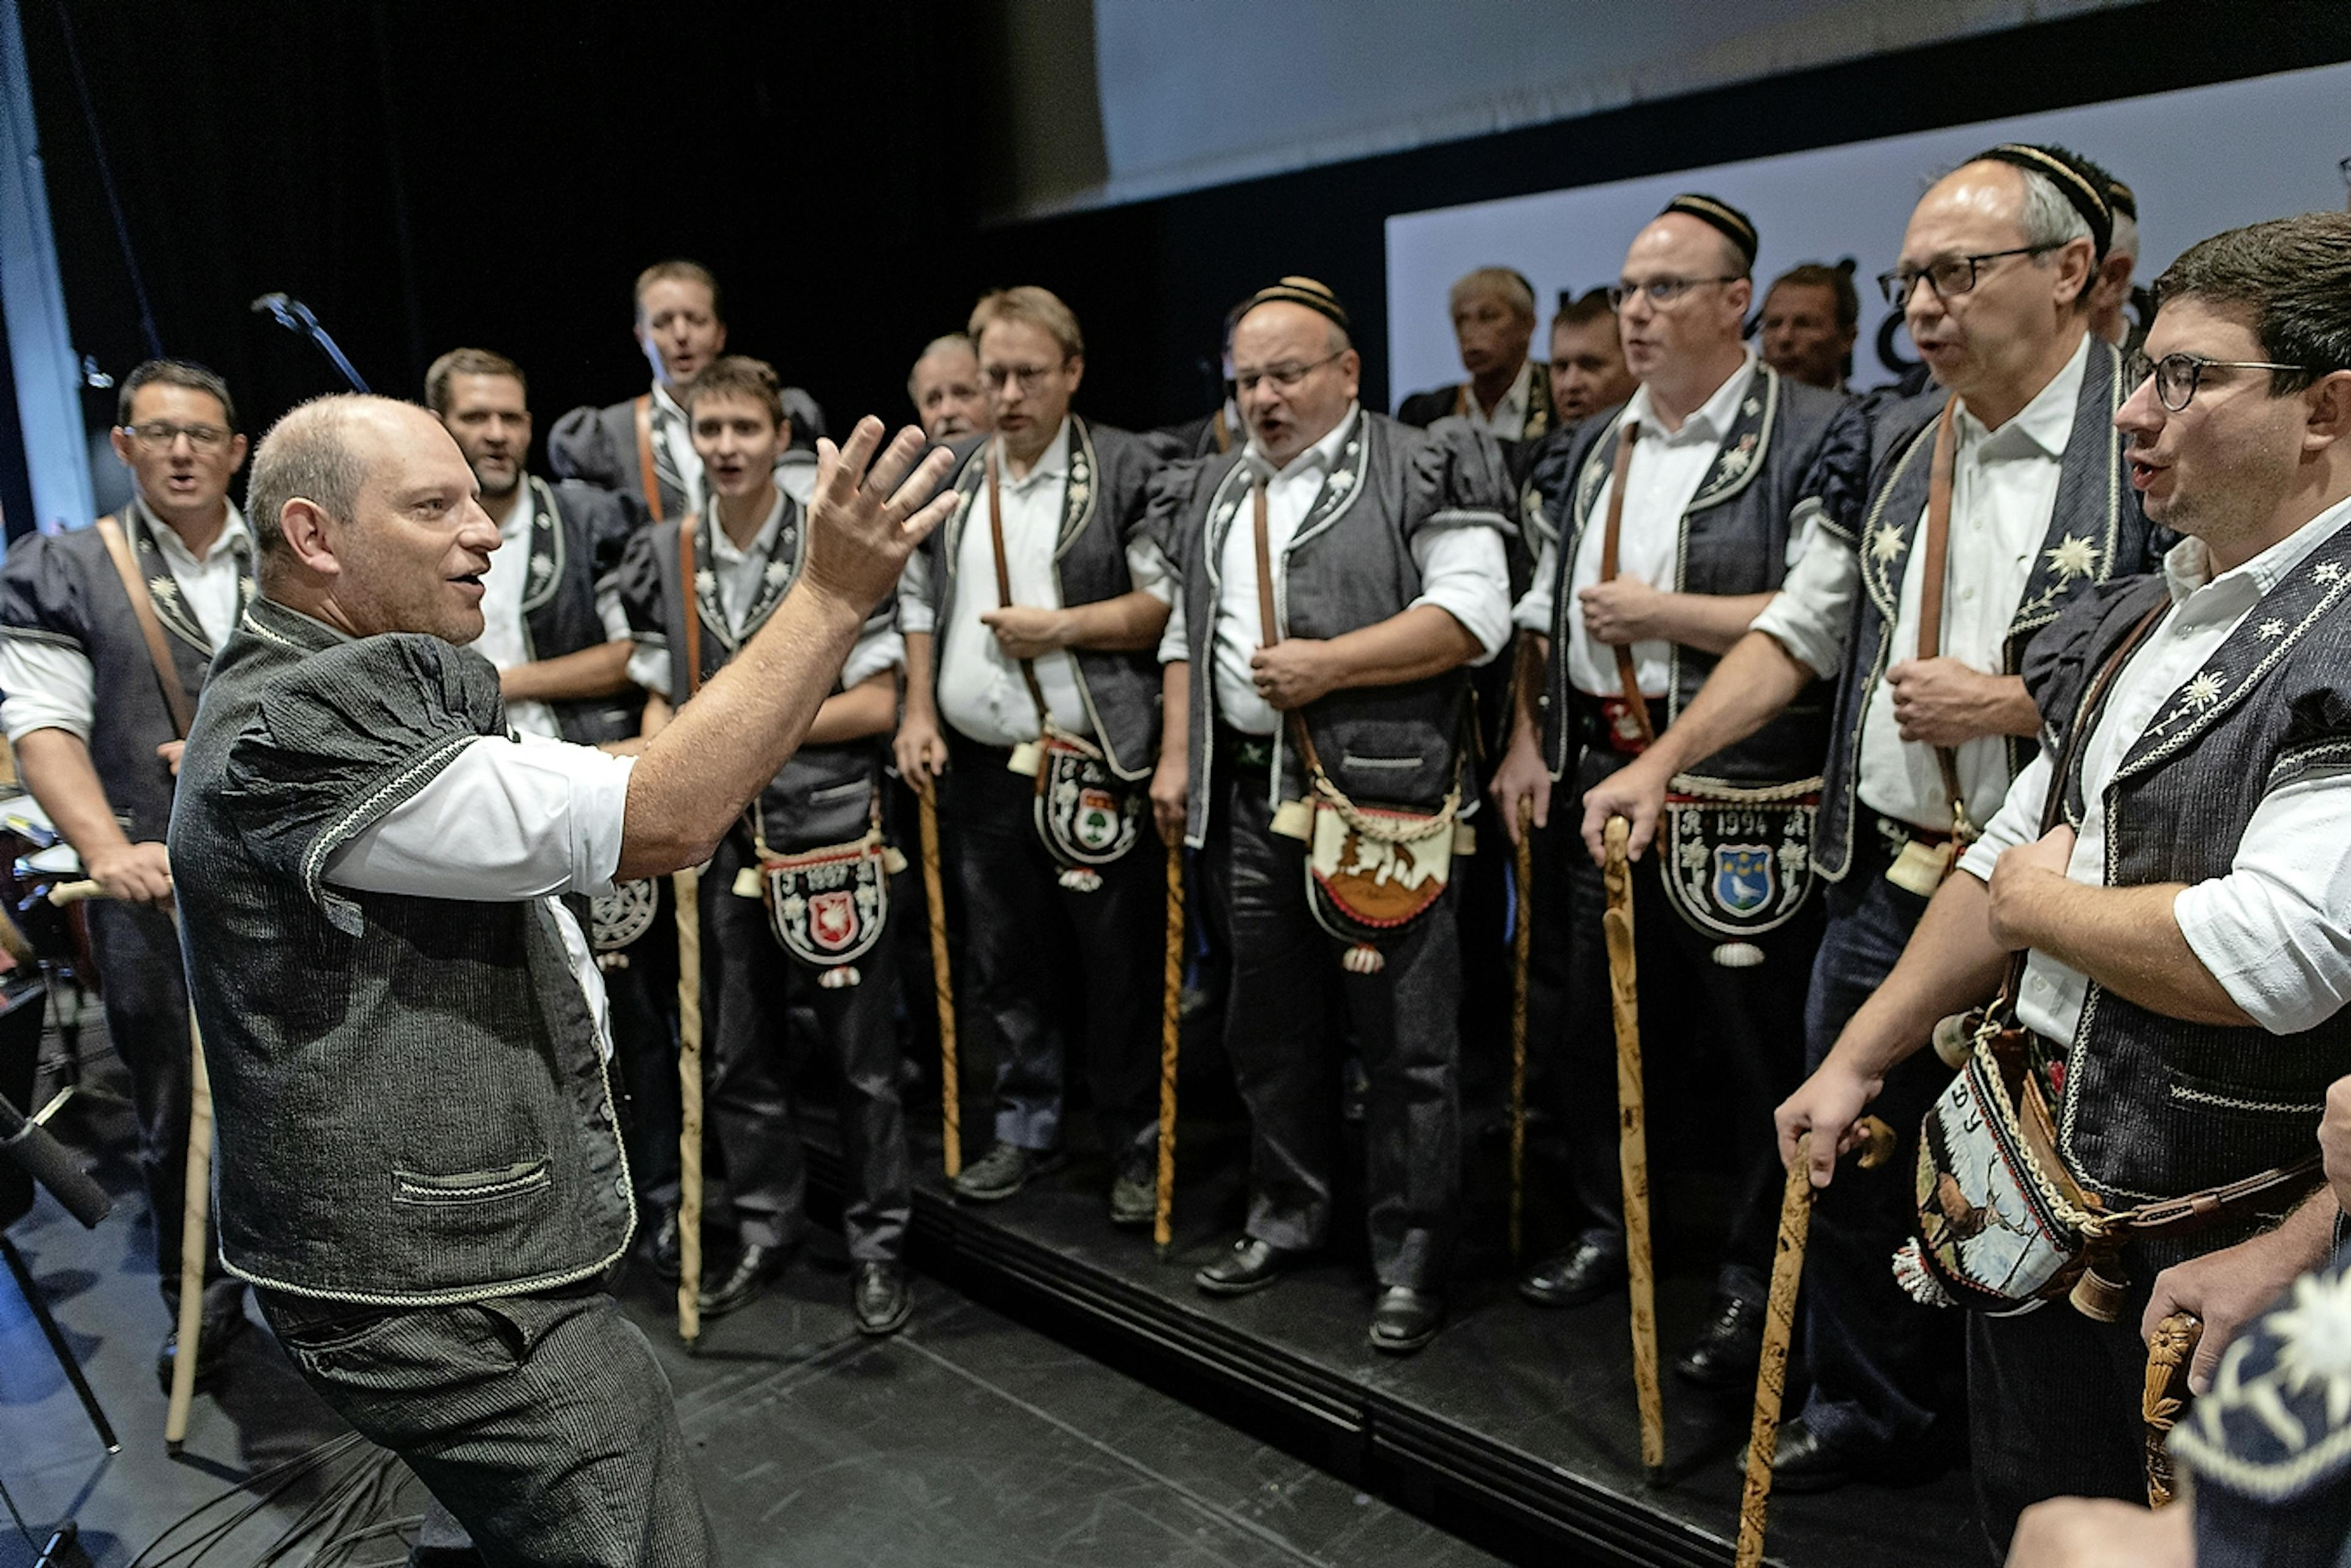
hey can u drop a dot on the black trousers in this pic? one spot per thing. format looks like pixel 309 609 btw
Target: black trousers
pixel 749 985
pixel 642 996
pixel 1697 1016
pixel 1283 1032
pixel 2054 1409
pixel 145 992
pixel 1880 1362
pixel 1030 943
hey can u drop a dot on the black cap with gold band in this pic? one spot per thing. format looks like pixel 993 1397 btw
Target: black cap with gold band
pixel 1307 291
pixel 1729 221
pixel 2080 181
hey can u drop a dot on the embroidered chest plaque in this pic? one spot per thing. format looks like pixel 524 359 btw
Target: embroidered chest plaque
pixel 1738 861
pixel 827 907
pixel 618 918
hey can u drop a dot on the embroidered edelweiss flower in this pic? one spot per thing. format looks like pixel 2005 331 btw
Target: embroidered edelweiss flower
pixel 2073 557
pixel 1340 481
pixel 1735 461
pixel 2314 1349
pixel 162 588
pixel 706 581
pixel 542 566
pixel 1887 543
pixel 776 573
pixel 2326 570
pixel 2203 691
pixel 1752 407
pixel 2269 629
pixel 1080 472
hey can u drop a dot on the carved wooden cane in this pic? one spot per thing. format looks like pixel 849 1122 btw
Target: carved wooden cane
pixel 687 884
pixel 1522 948
pixel 1778 1328
pixel 1170 1029
pixel 942 983
pixel 2168 1355
pixel 1633 1142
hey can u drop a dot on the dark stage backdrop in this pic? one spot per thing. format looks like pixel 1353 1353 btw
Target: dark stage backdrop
pixel 425 174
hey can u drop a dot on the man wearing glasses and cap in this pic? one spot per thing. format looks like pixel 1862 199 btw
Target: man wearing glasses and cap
pixel 1995 500
pixel 97 739
pixel 1673 522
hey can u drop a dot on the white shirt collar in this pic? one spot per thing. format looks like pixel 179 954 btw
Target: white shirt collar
pixel 1323 454
pixel 1053 462
pixel 2188 565
pixel 763 543
pixel 665 403
pixel 518 517
pixel 234 535
pixel 2046 422
pixel 1512 409
pixel 1713 418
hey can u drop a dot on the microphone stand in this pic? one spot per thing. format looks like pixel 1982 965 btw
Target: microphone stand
pixel 295 316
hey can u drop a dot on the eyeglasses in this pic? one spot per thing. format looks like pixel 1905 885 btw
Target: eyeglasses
pixel 1026 377
pixel 1662 292
pixel 2177 376
pixel 1951 274
pixel 1283 377
pixel 157 435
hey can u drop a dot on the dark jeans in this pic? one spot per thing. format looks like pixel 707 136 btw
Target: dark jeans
pixel 1695 1015
pixel 2052 1408
pixel 641 995
pixel 1283 1033
pixel 749 988
pixel 146 995
pixel 1879 1360
pixel 543 1423
pixel 1030 941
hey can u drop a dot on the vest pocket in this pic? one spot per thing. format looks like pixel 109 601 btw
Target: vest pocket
pixel 524 1179
pixel 2210 1096
pixel 1350 759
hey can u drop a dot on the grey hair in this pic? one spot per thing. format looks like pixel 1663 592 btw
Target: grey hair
pixel 943 343
pixel 2049 219
pixel 307 454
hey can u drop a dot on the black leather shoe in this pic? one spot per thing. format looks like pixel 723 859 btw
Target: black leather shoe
pixel 878 1294
pixel 1803 1460
pixel 1134 1196
pixel 755 1269
pixel 1405 1319
pixel 219 1331
pixel 1584 1272
pixel 1003 1171
pixel 1727 1348
pixel 668 1259
pixel 1251 1265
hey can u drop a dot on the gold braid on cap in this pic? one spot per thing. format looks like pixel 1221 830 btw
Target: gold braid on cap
pixel 2081 193
pixel 1314 294
pixel 1733 224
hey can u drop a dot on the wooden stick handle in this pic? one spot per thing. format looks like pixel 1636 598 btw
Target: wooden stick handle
pixel 2165 1396
pixel 1522 951
pixel 1771 1373
pixel 1633 1142
pixel 1170 1029
pixel 196 1209
pixel 942 983
pixel 67 892
pixel 687 884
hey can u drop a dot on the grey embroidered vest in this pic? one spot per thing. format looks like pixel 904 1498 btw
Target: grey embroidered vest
pixel 1349 565
pixel 2154 1106
pixel 1793 451
pixel 2095 532
pixel 412 1105
pixel 823 794
pixel 1101 507
pixel 576 536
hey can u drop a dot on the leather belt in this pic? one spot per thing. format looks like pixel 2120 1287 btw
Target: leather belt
pixel 1242 749
pixel 1610 723
pixel 1897 832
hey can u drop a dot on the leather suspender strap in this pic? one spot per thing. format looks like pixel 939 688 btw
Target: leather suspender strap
pixel 1271 628
pixel 1933 563
pixel 645 473
pixel 1004 583
pixel 693 602
pixel 142 610
pixel 1223 429
pixel 1635 703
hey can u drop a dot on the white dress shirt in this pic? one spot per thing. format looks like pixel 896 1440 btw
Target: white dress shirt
pixel 1463 572
pixel 675 432
pixel 980 691
pixel 506 820
pixel 2276 930
pixel 1508 420
pixel 48 686
pixel 1660 482
pixel 742 574
pixel 505 642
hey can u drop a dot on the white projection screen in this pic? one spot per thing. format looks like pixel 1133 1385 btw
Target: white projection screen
pixel 2200 161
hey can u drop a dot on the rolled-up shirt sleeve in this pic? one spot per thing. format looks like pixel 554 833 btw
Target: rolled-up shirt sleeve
pixel 503 820
pixel 914 611
pixel 877 649
pixel 1811 614
pixel 2275 931
pixel 2018 820
pixel 1463 571
pixel 1150 570
pixel 1173 646
pixel 1533 613
pixel 46 685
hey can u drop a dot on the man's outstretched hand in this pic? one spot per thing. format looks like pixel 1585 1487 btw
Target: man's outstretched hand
pixel 862 525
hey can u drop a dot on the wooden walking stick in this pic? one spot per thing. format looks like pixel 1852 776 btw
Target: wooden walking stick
pixel 2166 1396
pixel 942 984
pixel 195 1206
pixel 1778 1328
pixel 1523 947
pixel 1633 1142
pixel 688 883
pixel 1170 1029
